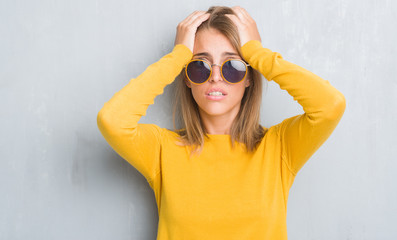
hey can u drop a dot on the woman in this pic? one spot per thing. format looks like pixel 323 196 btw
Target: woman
pixel 236 185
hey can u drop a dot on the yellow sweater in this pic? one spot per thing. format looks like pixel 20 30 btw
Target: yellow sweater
pixel 224 193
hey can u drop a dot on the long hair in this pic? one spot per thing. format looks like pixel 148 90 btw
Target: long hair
pixel 245 128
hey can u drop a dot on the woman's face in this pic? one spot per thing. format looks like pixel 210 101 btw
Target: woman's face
pixel 216 45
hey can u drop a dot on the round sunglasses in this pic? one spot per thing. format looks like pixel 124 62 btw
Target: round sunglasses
pixel 233 71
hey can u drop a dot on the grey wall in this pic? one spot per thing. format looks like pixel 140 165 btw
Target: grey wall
pixel 60 61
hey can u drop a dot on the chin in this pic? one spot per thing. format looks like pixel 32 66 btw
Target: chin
pixel 215 111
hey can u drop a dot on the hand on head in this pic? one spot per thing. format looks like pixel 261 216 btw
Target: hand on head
pixel 246 25
pixel 186 30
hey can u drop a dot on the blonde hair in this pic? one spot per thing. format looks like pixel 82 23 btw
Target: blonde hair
pixel 245 127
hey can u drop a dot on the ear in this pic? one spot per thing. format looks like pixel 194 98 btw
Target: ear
pixel 248 82
pixel 187 82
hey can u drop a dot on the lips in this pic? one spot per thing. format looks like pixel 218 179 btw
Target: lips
pixel 216 90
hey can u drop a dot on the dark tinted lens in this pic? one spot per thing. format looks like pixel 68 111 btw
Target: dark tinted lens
pixel 234 71
pixel 198 71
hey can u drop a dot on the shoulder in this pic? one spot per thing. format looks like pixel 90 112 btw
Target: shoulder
pixel 270 131
pixel 171 134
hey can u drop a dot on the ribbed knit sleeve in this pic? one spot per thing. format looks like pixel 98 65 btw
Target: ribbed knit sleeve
pixel 323 104
pixel 140 144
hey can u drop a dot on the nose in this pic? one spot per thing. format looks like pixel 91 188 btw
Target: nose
pixel 216 73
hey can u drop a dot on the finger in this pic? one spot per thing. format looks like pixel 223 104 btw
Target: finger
pixel 234 19
pixel 204 17
pixel 188 18
pixel 241 13
pixel 200 19
pixel 194 17
pixel 244 12
pixel 247 15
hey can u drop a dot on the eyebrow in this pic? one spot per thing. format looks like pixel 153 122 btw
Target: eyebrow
pixel 209 55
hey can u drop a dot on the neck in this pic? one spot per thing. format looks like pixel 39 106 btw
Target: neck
pixel 218 124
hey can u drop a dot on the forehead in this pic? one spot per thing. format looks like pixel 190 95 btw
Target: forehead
pixel 212 43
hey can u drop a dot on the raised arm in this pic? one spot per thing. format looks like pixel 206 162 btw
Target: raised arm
pixel 323 104
pixel 301 135
pixel 140 144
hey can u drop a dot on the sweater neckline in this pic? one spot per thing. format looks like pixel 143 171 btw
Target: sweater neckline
pixel 218 136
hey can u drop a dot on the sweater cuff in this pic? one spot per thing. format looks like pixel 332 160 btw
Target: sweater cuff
pixel 182 53
pixel 251 47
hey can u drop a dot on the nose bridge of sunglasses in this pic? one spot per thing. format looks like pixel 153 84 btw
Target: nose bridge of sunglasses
pixel 219 68
pixel 211 68
pixel 218 75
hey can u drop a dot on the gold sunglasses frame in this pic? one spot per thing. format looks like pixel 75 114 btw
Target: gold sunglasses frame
pixel 221 66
